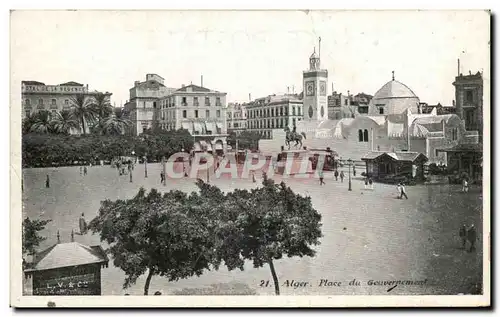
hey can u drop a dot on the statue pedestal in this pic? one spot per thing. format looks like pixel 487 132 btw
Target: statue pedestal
pixel 294 162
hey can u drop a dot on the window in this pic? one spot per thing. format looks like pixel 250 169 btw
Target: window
pixel 40 102
pixel 337 102
pixel 27 102
pixel 184 113
pixel 207 113
pixel 144 104
pixel 196 113
pixel 207 101
pixel 360 135
pixel 217 101
pixel 229 115
pixel 281 111
pixel 195 101
pixel 299 110
pixel 454 134
pixel 281 123
pixel 365 135
pixel 154 104
pixel 381 110
pixel 218 113
pixel 184 101
pixel 293 110
pixel 66 102
pixel 236 124
pixel 469 96
pixel 294 122
pixel 345 102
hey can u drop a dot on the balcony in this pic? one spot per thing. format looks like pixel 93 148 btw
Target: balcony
pixel 184 104
pixel 53 106
pixel 196 104
pixel 207 104
pixel 218 104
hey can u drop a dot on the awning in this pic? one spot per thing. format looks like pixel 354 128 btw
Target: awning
pixel 188 126
pixel 197 127
pixel 210 126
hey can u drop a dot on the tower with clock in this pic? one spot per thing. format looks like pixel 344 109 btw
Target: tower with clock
pixel 315 89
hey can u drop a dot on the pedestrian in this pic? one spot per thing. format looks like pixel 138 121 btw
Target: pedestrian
pixel 472 236
pixel 162 177
pixel 81 170
pixel 85 170
pixel 253 177
pixel 354 170
pixel 403 192
pixel 321 178
pixel 463 235
pixel 465 185
pixel 342 176
pixel 83 224
pixel 47 182
pixel 366 182
pixel 336 174
pixel 399 190
pixel 370 181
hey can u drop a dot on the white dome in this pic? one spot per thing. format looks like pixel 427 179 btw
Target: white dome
pixel 394 89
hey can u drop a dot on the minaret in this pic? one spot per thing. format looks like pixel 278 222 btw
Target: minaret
pixel 315 89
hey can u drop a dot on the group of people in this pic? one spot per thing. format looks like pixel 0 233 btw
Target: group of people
pixel 83 170
pixel 468 234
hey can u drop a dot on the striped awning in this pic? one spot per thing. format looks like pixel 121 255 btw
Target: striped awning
pixel 198 127
pixel 210 126
pixel 188 126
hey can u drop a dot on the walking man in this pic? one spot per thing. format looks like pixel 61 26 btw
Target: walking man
pixel 47 182
pixel 366 182
pixel 162 177
pixel 354 170
pixel 81 170
pixel 83 224
pixel 370 181
pixel 403 192
pixel 399 190
pixel 321 177
pixel 85 170
pixel 465 185
pixel 463 235
pixel 472 236
pixel 342 176
pixel 336 174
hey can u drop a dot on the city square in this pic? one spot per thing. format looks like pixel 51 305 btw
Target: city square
pixel 368 234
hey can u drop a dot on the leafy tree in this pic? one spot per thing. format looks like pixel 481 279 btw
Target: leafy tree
pixel 246 140
pixel 83 110
pixel 42 122
pixel 116 124
pixel 28 123
pixel 153 233
pixel 262 225
pixel 31 238
pixel 63 122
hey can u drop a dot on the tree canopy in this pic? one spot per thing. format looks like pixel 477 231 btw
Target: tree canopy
pixel 177 236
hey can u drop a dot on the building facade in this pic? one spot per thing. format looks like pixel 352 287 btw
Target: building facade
pixel 274 112
pixel 469 100
pixel 201 111
pixel 143 108
pixel 236 117
pixel 37 96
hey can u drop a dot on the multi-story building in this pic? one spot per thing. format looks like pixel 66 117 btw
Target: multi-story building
pixel 236 118
pixel 469 100
pixel 37 96
pixel 361 101
pixel 199 110
pixel 274 112
pixel 340 106
pixel 143 107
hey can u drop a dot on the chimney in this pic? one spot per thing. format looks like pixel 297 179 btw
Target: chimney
pixel 288 90
pixel 136 83
pixel 458 67
pixel 201 80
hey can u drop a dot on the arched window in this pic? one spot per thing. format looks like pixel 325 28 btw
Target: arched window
pixel 365 135
pixel 360 135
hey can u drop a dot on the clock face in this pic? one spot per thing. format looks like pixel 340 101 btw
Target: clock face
pixel 322 88
pixel 310 112
pixel 310 88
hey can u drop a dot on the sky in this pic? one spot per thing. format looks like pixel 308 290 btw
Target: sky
pixel 250 52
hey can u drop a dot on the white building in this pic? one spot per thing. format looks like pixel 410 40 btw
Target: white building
pixel 236 117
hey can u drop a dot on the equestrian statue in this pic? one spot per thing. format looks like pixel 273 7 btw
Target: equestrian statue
pixel 294 136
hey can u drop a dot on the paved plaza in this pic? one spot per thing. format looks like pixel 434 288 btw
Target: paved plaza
pixel 368 234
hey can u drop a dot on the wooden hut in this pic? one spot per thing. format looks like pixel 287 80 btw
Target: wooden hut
pixel 394 167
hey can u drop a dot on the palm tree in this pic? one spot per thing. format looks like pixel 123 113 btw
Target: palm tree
pixel 28 123
pixel 42 122
pixel 116 123
pixel 101 107
pixel 64 121
pixel 83 110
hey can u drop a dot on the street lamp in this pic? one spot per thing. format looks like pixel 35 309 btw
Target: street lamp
pixel 349 161
pixel 145 166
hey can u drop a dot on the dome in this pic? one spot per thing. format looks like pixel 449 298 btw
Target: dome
pixel 394 89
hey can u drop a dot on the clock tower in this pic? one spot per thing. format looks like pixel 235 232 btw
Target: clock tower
pixel 315 89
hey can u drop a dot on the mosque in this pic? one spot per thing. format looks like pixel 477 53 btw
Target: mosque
pixel 394 123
